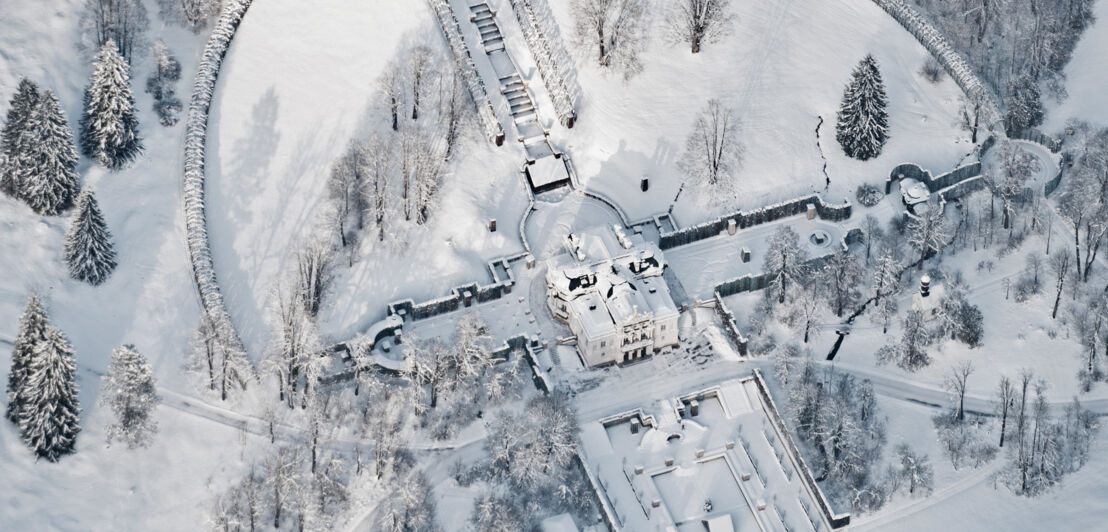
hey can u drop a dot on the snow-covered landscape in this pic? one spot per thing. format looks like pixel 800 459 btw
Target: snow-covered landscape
pixel 557 265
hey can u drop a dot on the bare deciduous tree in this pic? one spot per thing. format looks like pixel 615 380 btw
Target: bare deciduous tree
pixel 122 21
pixel 840 278
pixel 614 29
pixel 216 354
pixel 713 151
pixel 928 232
pixel 420 70
pixel 698 22
pixel 886 283
pixel 313 270
pixel 391 87
pixel 1060 264
pixel 284 474
pixel 956 384
pixel 1005 395
pixel 294 352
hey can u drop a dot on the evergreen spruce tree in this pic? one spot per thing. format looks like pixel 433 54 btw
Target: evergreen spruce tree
pixel 88 245
pixel 1025 106
pixel 109 128
pixel 12 140
pixel 863 125
pixel 50 182
pixel 129 391
pixel 49 420
pixel 32 332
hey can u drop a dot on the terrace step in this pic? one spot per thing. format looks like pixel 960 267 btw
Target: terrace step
pixel 521 97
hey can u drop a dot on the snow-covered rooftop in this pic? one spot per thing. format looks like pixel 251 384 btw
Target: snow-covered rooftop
pixel 724 468
pixel 547 171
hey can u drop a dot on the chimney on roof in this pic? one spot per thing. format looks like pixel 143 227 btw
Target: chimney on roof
pixel 925 286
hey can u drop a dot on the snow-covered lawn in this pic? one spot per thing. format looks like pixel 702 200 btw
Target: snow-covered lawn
pixel 969 499
pixel 703 265
pixel 149 300
pixel 784 65
pixel 1086 77
pixel 296 88
pixel 1017 335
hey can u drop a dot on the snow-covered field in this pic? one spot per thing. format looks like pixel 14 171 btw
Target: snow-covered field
pixel 289 102
pixel 297 87
pixel 1086 76
pixel 149 301
pixel 784 66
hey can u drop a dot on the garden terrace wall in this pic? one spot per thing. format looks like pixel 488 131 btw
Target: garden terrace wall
pixel 835 213
pixel 1055 182
pixel 934 184
pixel 460 297
pixel 935 43
pixel 196 132
pixel 962 188
pixel 730 325
pixel 553 75
pixel 1052 144
pixel 463 61
pixel 1038 137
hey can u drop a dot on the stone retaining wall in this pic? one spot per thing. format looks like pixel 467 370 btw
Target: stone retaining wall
pixel 743 219
pixel 934 184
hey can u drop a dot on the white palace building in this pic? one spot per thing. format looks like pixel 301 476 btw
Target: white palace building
pixel 608 288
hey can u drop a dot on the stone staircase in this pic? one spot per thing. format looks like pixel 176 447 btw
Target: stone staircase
pixel 545 166
pixel 485 19
pixel 519 100
pixel 512 86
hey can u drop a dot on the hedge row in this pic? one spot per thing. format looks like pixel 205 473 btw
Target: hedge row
pixel 196 131
pixel 452 31
pixel 553 76
pixel 960 71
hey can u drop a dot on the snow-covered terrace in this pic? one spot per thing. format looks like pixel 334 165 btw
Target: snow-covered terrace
pixel 704 264
pixel 658 469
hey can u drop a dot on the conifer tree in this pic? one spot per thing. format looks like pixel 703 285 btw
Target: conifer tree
pixel 32 331
pixel 88 245
pixel 863 120
pixel 50 183
pixel 12 142
pixel 129 391
pixel 49 420
pixel 109 128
